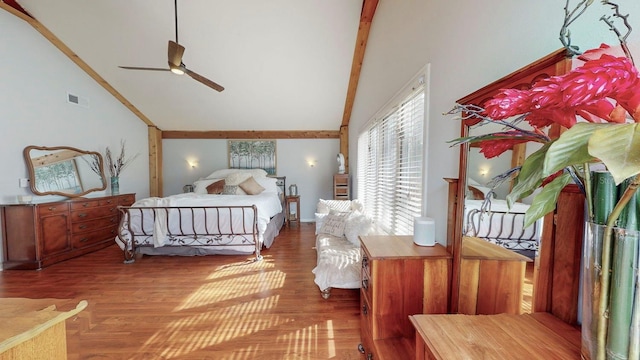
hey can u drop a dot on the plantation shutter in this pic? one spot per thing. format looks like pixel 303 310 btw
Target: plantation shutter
pixel 390 153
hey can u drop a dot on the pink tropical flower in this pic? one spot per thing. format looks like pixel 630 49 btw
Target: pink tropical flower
pixel 604 89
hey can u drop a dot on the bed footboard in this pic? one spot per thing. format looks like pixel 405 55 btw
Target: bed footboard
pixel 229 227
pixel 503 228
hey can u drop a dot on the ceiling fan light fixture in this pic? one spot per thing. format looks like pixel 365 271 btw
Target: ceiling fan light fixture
pixel 178 70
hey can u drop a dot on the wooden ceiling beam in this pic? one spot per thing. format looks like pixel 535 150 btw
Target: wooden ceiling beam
pixel 366 17
pixel 251 134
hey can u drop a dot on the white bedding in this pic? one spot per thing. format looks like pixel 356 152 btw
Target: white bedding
pixel 268 205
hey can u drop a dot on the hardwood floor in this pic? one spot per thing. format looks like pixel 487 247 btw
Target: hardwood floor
pixel 212 307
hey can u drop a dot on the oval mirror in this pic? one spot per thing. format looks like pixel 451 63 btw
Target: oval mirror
pixel 64 170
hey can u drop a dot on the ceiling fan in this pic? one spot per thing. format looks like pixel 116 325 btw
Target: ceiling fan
pixel 176 65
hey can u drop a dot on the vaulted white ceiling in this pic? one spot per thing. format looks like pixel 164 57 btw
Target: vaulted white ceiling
pixel 285 64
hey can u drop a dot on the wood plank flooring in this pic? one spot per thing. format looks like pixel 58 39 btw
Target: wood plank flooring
pixel 212 307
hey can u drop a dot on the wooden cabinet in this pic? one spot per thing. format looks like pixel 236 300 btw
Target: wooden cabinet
pixel 491 278
pixel 341 187
pixel 38 235
pixel 399 279
pixel 292 216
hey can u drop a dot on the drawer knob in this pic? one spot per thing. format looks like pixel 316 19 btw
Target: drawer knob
pixel 83 226
pixel 82 215
pixel 51 208
pixel 85 204
pixel 361 348
pixel 84 239
pixel 364 309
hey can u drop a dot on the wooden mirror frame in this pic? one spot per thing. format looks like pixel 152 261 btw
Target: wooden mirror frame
pixel 62 153
pixel 556 63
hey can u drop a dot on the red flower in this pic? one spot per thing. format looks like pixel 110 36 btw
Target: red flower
pixel 493 148
pixel 601 90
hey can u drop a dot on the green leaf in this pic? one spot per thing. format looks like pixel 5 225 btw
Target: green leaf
pixel 618 147
pixel 529 177
pixel 546 200
pixel 571 148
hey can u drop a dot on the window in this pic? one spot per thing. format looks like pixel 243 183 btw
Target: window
pixel 390 153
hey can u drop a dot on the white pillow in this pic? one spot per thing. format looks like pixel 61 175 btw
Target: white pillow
pixel 334 223
pixel 237 178
pixel 319 221
pixel 357 224
pixel 223 173
pixel 268 183
pixel 325 206
pixel 200 186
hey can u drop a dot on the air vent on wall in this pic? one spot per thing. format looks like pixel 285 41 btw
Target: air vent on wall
pixel 77 100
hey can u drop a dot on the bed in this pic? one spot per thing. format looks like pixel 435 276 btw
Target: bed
pixel 501 225
pixel 222 216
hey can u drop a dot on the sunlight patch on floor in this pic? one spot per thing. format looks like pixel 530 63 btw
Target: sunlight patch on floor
pixel 233 288
pixel 241 268
pixel 209 328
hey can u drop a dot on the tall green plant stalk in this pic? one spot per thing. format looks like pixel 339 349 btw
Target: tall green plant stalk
pixel 605 275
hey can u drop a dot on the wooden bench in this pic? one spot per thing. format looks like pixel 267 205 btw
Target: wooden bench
pixel 501 336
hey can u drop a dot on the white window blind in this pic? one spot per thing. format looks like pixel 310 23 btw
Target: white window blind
pixel 390 152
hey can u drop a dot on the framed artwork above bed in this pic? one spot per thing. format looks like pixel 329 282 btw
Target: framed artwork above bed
pixel 253 154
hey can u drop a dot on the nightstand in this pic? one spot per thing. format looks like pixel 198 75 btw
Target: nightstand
pixel 292 217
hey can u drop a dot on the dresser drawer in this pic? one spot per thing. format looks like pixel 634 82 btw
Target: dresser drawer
pixel 83 226
pixel 127 200
pixel 93 213
pixel 341 191
pixel 85 204
pixel 52 208
pixel 366 314
pixel 93 237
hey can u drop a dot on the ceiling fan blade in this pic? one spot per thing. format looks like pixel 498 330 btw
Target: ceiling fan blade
pixel 175 53
pixel 142 68
pixel 204 80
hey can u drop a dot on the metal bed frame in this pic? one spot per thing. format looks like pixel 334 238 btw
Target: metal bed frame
pixel 187 235
pixel 507 237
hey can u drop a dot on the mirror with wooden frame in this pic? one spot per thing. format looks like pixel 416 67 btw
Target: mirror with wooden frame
pixel 472 172
pixel 64 170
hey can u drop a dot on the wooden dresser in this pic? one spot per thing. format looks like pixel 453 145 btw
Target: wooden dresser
pixel 38 235
pixel 399 279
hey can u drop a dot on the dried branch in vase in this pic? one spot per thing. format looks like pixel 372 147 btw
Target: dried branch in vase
pixel 117 165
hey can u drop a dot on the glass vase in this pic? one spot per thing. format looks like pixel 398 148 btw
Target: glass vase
pixel 115 185
pixel 621 340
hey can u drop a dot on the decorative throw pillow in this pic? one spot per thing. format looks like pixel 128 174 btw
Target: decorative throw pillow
pixel 230 190
pixel 357 224
pixel 334 223
pixel 237 178
pixel 324 206
pixel 251 186
pixel 216 187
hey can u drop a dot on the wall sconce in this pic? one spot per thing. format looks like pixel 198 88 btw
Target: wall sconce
pixel 311 163
pixel 192 163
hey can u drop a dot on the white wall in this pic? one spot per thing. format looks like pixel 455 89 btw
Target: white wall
pixel 34 80
pixel 468 44
pixel 293 160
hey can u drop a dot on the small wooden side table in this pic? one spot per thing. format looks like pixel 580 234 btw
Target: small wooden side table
pixel 291 217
